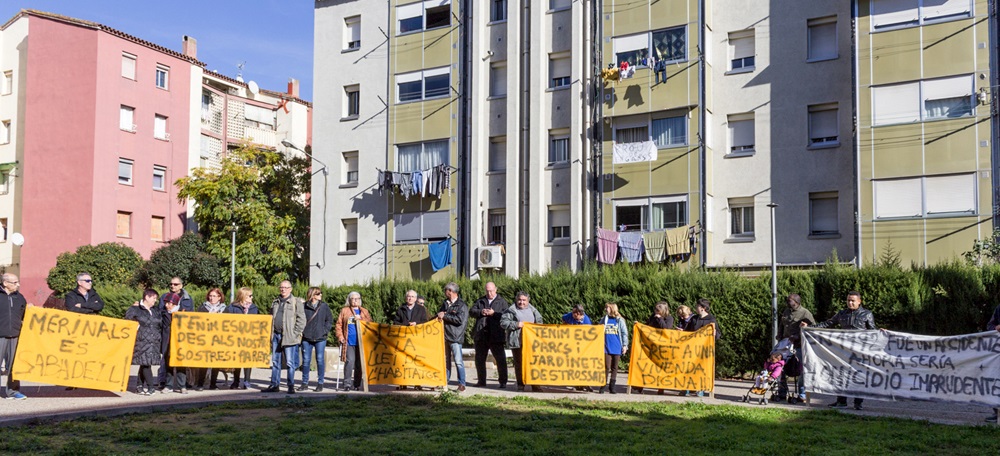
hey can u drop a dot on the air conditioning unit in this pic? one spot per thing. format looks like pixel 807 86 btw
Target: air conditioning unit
pixel 489 257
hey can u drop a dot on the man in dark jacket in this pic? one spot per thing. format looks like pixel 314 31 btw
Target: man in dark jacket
pixel 853 317
pixel 186 305
pixel 12 307
pixel 488 335
pixel 455 315
pixel 319 322
pixel 410 314
pixel 788 328
pixel 84 299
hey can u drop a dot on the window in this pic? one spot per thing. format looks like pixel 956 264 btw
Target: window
pixel 560 4
pixel 497 227
pixel 821 35
pixel 421 156
pixel 670 45
pixel 423 85
pixel 3 229
pixel 426 15
pixel 162 76
pixel 823 129
pixel 124 171
pixel 823 213
pixel 923 100
pixel 741 50
pixel 926 196
pixel 126 119
pixel 206 107
pixel 156 229
pixel 558 149
pixel 498 154
pixel 670 131
pixel 559 71
pixel 631 49
pixel 160 127
pixel 558 223
pixel 128 65
pixel 632 134
pixel 650 214
pixel 352 101
pixel 498 10
pixel 741 134
pixel 349 233
pixel 741 217
pixel 352 33
pixel 5 132
pixel 421 227
pixel 123 228
pixel 905 13
pixel 8 83
pixel 259 116
pixel 159 178
pixel 350 176
pixel 4 182
pixel 498 79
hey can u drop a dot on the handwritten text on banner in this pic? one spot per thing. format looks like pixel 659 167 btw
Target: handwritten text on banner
pixel 404 355
pixel 199 339
pixel 671 359
pixel 563 355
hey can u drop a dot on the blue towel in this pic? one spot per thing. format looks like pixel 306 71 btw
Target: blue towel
pixel 631 246
pixel 440 254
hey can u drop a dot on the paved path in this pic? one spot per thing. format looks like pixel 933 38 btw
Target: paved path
pixel 48 403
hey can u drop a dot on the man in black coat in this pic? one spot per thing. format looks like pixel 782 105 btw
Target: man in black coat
pixel 488 335
pixel 12 307
pixel 84 299
pixel 410 314
pixel 455 315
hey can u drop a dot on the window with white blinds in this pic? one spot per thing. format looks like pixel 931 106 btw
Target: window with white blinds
pixel 349 234
pixel 742 50
pixel 741 133
pixel 559 71
pixel 905 13
pixel 898 198
pixel 947 97
pixel 929 195
pixel 949 194
pixel 160 127
pixel 899 103
pixel 264 116
pixel 128 65
pixel 931 99
pixel 421 227
pixel 126 118
pixel 558 222
pixel 352 33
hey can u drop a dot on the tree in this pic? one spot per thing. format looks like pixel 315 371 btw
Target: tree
pixel 110 263
pixel 986 251
pixel 262 193
pixel 184 257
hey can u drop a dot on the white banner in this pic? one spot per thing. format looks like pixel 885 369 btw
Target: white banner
pixel 634 152
pixel 894 365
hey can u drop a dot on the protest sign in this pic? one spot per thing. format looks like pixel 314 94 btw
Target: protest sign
pixel 71 349
pixel 404 355
pixel 199 339
pixel 672 359
pixel 563 355
pixel 894 365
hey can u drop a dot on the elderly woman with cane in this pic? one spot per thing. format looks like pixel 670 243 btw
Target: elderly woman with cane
pixel 350 339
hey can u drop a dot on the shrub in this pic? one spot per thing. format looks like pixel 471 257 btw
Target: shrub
pixel 109 263
pixel 183 257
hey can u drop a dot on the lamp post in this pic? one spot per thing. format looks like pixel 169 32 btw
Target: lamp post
pixel 326 172
pixel 232 268
pixel 774 279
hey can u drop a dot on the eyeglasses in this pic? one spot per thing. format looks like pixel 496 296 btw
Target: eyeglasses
pixel 176 284
pixel 285 288
pixel 86 280
pixel 249 296
pixel 12 281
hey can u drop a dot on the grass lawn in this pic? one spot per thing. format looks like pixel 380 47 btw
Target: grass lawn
pixel 452 425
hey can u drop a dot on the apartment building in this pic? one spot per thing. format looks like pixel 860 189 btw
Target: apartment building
pixel 488 101
pixel 925 127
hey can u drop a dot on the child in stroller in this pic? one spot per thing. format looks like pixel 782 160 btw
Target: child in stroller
pixel 768 378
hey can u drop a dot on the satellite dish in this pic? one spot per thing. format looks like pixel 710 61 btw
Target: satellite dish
pixel 17 239
pixel 239 78
pixel 252 87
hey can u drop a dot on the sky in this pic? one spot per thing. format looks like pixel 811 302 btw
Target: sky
pixel 273 37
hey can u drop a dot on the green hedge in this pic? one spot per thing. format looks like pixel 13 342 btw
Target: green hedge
pixel 938 300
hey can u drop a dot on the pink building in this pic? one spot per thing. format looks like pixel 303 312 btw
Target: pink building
pixel 101 132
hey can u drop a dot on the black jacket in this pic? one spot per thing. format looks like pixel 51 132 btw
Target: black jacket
pixel 456 319
pixel 92 304
pixel 850 319
pixel 488 327
pixel 661 322
pixel 418 315
pixel 319 321
pixel 148 342
pixel 697 322
pixel 12 308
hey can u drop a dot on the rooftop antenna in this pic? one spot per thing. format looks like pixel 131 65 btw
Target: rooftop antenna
pixel 239 70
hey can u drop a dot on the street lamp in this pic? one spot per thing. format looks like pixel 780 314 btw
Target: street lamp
pixel 774 280
pixel 232 268
pixel 326 173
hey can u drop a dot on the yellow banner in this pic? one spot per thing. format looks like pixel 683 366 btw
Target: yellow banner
pixel 199 339
pixel 671 359
pixel 71 349
pixel 563 355
pixel 404 355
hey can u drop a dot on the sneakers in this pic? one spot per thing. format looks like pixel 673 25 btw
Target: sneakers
pixel 17 396
pixel 838 405
pixel 270 389
pixel 319 388
pixel 857 406
pixel 303 388
pixel 992 419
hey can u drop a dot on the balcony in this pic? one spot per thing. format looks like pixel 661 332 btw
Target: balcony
pixel 260 136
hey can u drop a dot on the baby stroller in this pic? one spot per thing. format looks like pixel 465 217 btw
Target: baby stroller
pixel 767 381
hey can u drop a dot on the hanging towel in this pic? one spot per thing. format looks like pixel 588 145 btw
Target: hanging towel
pixel 654 244
pixel 440 254
pixel 631 244
pixel 381 181
pixel 677 241
pixel 607 246
pixel 418 181
pixel 406 185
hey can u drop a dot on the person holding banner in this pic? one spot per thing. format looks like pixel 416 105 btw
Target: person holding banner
pixel 661 318
pixel 994 325
pixel 512 320
pixel 455 315
pixel 615 344
pixel 242 305
pixel 289 322
pixel 487 334
pixel 789 328
pixel 683 317
pixel 187 305
pixel 11 317
pixel 147 340
pixel 319 322
pixel 410 314
pixel 701 320
pixel 577 316
pixel 84 299
pixel 854 317
pixel 349 338
pixel 213 304
pixel 176 376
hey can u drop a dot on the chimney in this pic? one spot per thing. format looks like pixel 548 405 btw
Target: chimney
pixel 293 87
pixel 190 47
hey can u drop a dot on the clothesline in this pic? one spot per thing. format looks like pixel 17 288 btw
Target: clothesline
pixel 432 181
pixel 625 70
pixel 655 246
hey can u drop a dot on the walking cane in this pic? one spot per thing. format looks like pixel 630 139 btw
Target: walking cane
pixel 343 362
